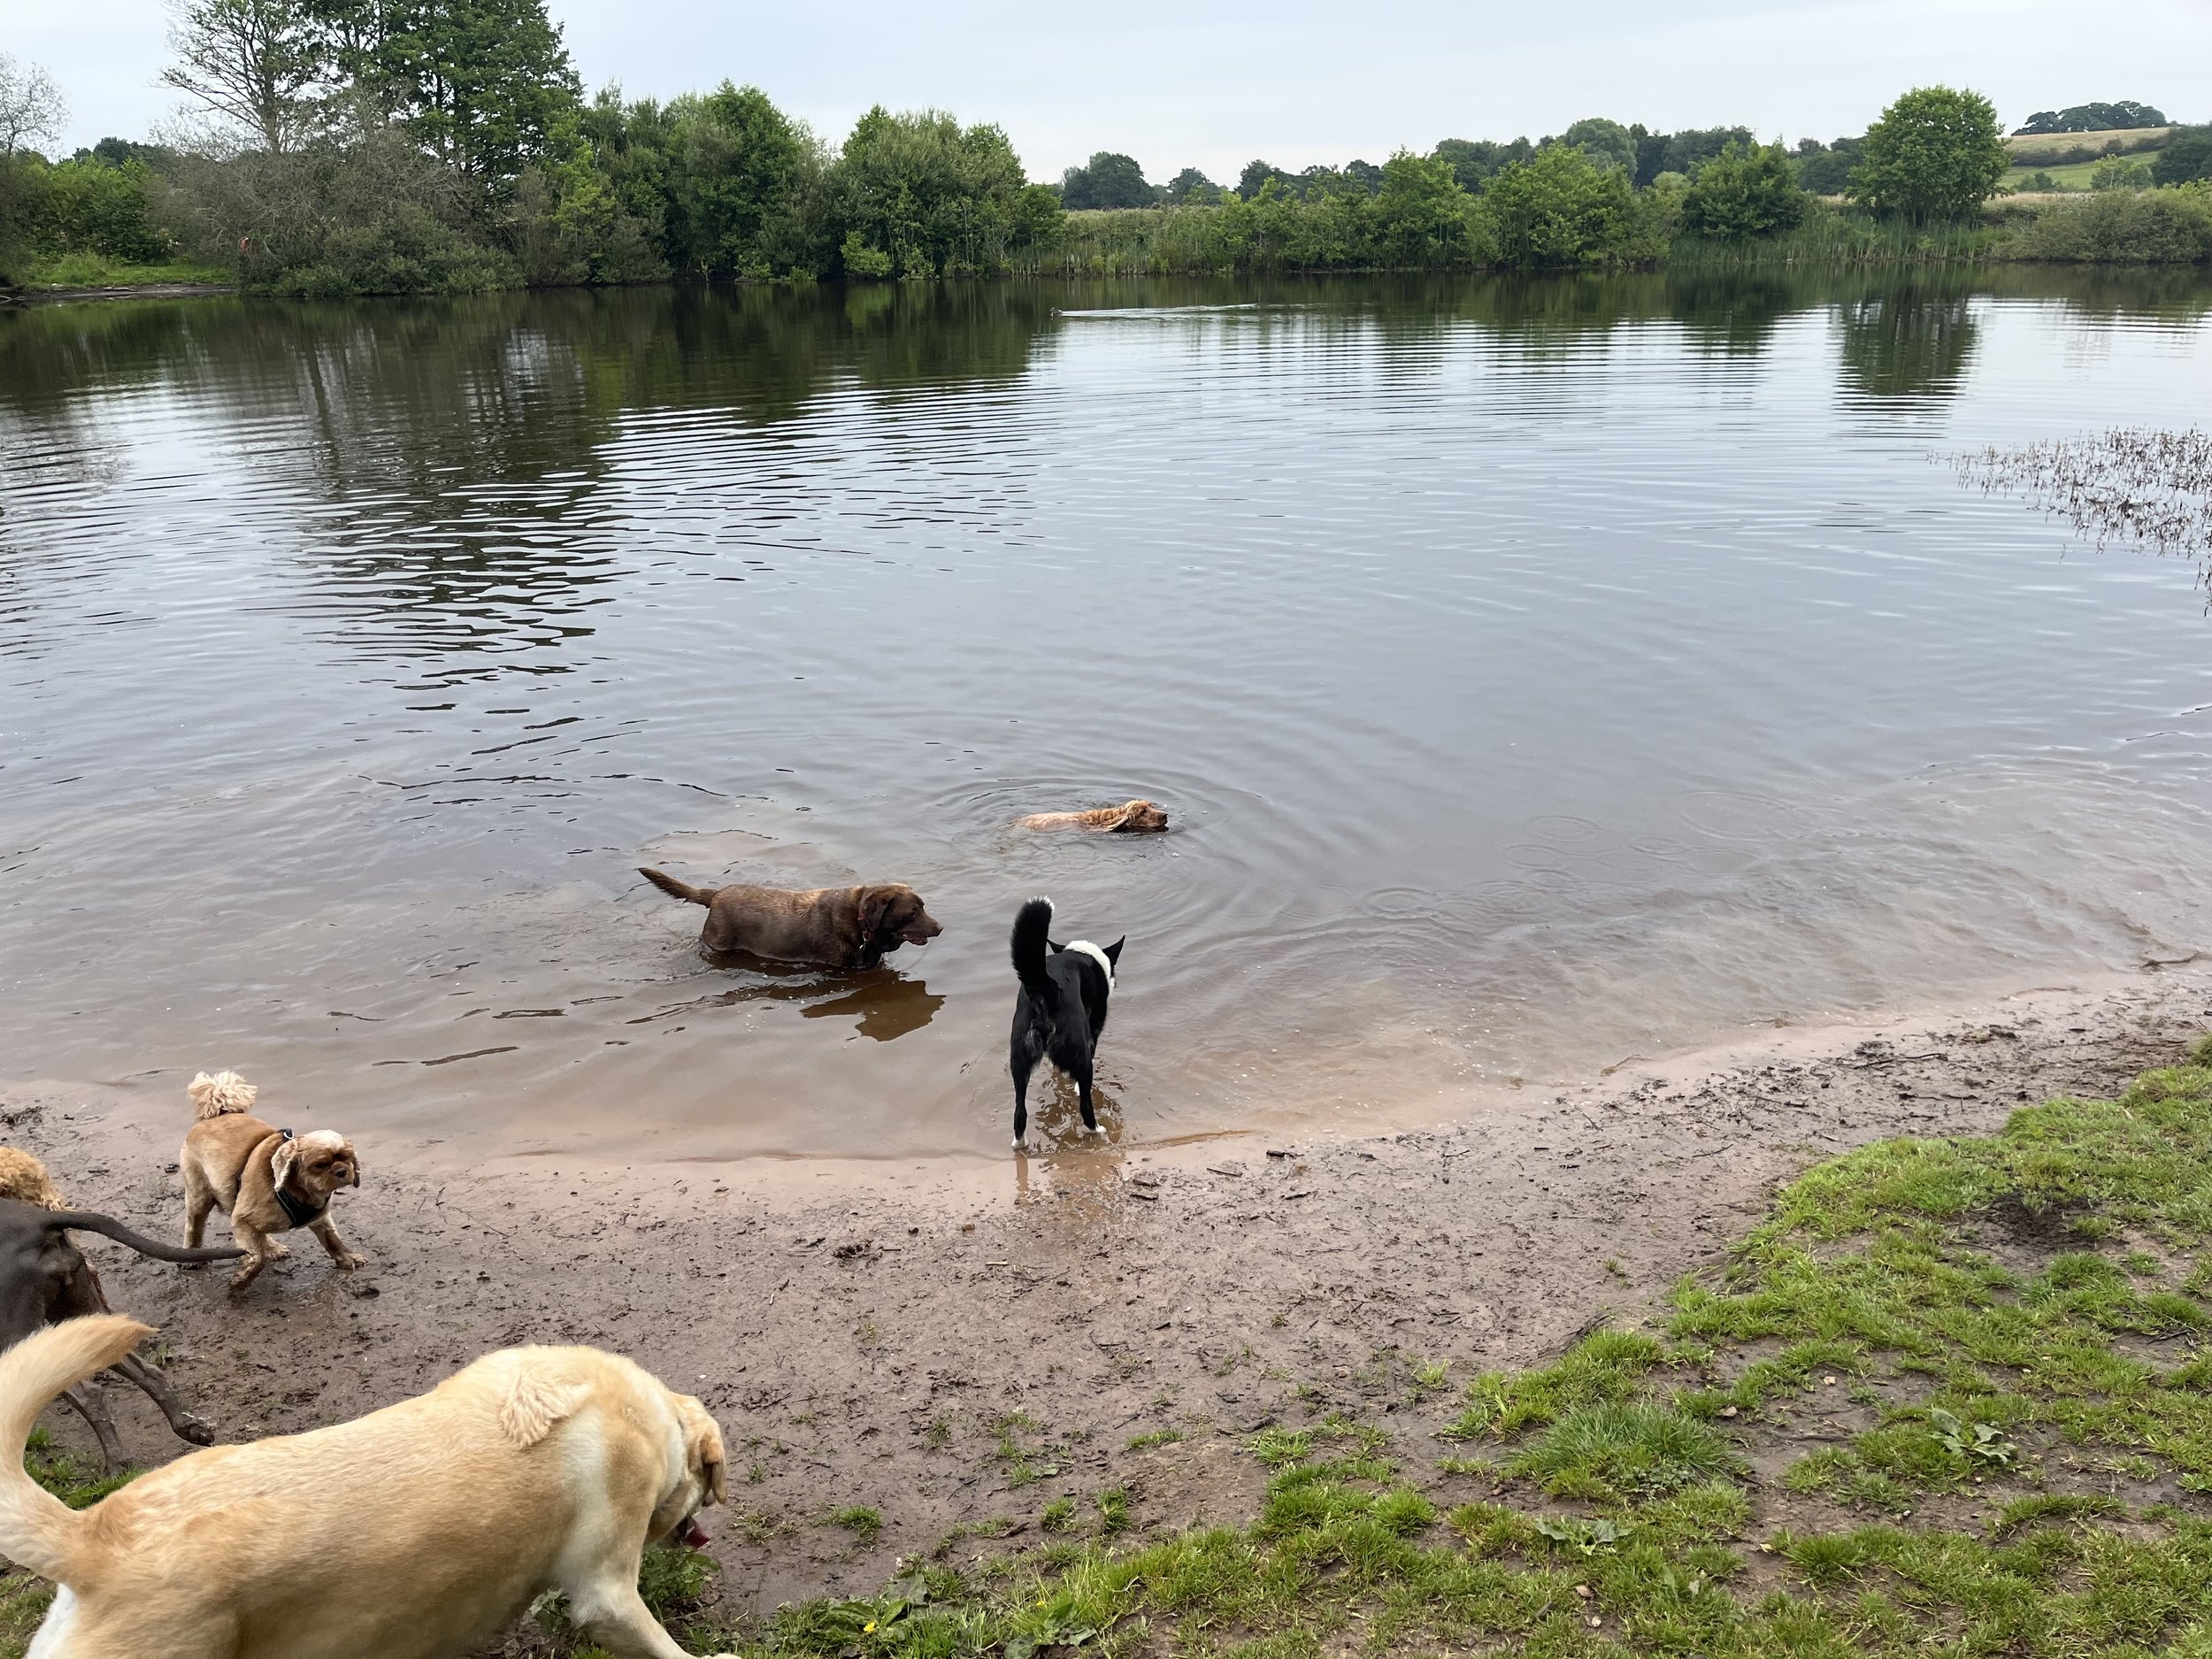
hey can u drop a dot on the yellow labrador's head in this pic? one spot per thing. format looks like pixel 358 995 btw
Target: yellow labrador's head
pixel 1137 817
pixel 705 1478
pixel 317 1164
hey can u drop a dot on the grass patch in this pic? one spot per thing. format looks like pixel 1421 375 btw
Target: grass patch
pixel 862 1523
pixel 1987 1324
pixel 97 271
pixel 1155 1437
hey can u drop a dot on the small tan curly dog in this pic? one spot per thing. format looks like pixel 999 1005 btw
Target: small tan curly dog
pixel 414 1533
pixel 1130 817
pixel 267 1181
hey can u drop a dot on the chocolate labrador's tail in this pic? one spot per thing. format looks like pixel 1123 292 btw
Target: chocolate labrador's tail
pixel 38 1530
pixel 108 1226
pixel 1033 925
pixel 676 889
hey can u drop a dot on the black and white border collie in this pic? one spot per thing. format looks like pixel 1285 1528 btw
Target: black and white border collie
pixel 1060 1009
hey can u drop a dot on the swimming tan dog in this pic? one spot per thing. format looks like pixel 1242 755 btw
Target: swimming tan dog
pixel 1130 817
pixel 414 1533
pixel 844 927
pixel 267 1181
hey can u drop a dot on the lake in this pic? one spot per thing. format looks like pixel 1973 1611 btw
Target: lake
pixel 1539 672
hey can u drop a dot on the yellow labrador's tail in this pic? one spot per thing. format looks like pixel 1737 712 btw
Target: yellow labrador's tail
pixel 37 1529
pixel 215 1092
pixel 676 889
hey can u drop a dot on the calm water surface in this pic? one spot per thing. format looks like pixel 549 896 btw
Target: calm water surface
pixel 1538 672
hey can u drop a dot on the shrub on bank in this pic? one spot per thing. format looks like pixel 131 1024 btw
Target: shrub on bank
pixel 373 216
pixel 2122 227
pixel 80 211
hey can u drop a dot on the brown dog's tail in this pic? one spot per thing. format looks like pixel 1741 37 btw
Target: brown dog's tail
pixel 215 1092
pixel 676 889
pixel 108 1226
pixel 37 1528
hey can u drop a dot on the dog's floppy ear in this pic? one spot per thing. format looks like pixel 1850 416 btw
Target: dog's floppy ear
pixel 1113 951
pixel 702 1446
pixel 356 1158
pixel 281 1160
pixel 873 903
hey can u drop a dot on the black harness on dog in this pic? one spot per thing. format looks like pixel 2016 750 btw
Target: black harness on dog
pixel 298 1211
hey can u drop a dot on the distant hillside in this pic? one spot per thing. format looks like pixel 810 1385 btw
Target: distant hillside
pixel 2060 150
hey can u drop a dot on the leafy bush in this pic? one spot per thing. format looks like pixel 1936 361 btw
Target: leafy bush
pixel 938 198
pixel 2124 227
pixel 374 217
pixel 2187 158
pixel 1740 193
pixel 1562 209
pixel 2120 173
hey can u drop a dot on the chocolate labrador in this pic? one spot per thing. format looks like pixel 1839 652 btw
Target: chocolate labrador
pixel 844 927
pixel 44 1280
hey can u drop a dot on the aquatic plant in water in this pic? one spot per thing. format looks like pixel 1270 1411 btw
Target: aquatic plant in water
pixel 2134 484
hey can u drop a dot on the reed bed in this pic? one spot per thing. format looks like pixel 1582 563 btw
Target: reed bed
pixel 2138 486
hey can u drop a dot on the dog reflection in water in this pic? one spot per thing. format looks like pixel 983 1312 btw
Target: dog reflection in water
pixel 887 1004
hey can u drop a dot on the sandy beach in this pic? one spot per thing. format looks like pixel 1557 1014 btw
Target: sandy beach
pixel 955 1344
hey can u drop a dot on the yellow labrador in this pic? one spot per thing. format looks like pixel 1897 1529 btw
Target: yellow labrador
pixel 414 1532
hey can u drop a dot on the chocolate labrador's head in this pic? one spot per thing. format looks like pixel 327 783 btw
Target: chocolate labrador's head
pixel 893 916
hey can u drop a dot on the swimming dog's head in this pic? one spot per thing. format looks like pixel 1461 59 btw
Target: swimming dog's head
pixel 893 916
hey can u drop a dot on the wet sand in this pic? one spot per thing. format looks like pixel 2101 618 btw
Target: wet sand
pixel 949 1343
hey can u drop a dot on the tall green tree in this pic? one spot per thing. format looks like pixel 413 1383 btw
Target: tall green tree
pixel 1422 219
pixel 481 83
pixel 1743 193
pixel 1607 143
pixel 1560 208
pixel 2186 158
pixel 1936 154
pixel 263 66
pixel 918 195
pixel 737 167
pixel 1190 186
pixel 1474 162
pixel 1106 180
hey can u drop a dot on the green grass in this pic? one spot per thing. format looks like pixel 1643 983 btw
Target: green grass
pixel 92 270
pixel 863 1523
pixel 2073 176
pixel 2013 1321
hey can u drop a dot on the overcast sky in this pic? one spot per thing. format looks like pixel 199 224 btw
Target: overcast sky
pixel 1214 85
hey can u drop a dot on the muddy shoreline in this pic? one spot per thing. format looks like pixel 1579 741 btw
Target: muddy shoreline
pixel 948 1345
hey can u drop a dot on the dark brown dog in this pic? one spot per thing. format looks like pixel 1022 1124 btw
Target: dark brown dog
pixel 1130 817
pixel 44 1279
pixel 845 927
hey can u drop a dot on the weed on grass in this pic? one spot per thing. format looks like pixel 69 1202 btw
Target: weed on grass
pixel 862 1523
pixel 1958 1301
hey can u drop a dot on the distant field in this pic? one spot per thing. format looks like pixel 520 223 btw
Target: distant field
pixel 2045 147
pixel 2075 176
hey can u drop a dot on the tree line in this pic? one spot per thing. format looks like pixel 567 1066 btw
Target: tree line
pixel 389 146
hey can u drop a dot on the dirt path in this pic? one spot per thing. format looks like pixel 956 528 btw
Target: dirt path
pixel 946 1347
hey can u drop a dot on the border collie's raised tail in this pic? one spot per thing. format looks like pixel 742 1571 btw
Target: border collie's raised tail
pixel 1060 1009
